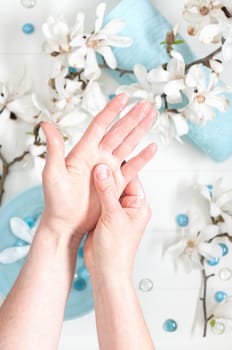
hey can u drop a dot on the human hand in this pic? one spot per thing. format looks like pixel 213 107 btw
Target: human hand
pixel 71 202
pixel 110 249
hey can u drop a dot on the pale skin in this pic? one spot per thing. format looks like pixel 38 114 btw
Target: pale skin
pixel 32 314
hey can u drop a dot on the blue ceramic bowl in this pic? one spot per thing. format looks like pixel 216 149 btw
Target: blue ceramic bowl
pixel 29 204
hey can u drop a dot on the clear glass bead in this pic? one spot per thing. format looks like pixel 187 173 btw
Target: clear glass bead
pixel 219 328
pixel 28 3
pixel 225 274
pixel 145 285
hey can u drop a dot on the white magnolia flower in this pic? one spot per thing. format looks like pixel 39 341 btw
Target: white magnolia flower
pixel 219 199
pixel 203 98
pixel 223 311
pixel 91 101
pixel 217 33
pixel 100 41
pixel 144 89
pixel 194 244
pixel 170 126
pixel 200 13
pixel 16 99
pixel 67 94
pixel 78 49
pixel 23 232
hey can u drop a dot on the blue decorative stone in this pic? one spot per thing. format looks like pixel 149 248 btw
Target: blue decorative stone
pixel 225 248
pixel 112 96
pixel 81 252
pixel 170 325
pixel 28 28
pixel 220 296
pixel 210 187
pixel 72 70
pixel 182 220
pixel 213 261
pixel 30 221
pixel 20 243
pixel 83 272
pixel 80 284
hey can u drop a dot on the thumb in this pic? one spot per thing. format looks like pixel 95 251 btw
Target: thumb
pixel 106 189
pixel 55 148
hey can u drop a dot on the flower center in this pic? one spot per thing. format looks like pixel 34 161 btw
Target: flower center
pixel 93 44
pixel 204 11
pixel 200 98
pixel 191 244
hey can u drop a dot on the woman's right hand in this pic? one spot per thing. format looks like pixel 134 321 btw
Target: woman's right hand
pixel 111 248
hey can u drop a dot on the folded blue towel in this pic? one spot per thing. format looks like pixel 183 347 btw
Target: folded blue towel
pixel 147 27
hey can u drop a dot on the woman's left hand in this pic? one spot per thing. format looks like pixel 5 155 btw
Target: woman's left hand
pixel 71 202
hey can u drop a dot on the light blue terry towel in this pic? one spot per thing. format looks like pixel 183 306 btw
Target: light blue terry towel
pixel 147 27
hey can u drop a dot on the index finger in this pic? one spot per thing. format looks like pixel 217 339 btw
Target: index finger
pixel 103 120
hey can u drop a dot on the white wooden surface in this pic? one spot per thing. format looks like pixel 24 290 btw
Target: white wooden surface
pixel 167 181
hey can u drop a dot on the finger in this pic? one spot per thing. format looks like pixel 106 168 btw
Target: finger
pixel 133 195
pixel 115 136
pixel 102 121
pixel 134 137
pixel 106 189
pixel 55 148
pixel 132 167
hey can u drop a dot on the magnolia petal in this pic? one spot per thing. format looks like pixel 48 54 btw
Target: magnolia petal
pixel 141 75
pixel 92 70
pixel 94 100
pixel 11 255
pixel 78 28
pixel 181 124
pixel 210 250
pixel 108 55
pixel 101 8
pixel 77 58
pixel 20 229
pixel 119 41
pixel 219 102
pixel 227 51
pixel 173 88
pixel 177 248
pixel 196 77
pixel 24 108
pixel 158 75
pixel 209 33
pixel 113 27
pixel 216 66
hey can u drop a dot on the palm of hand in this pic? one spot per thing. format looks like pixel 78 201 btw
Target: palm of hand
pixel 70 195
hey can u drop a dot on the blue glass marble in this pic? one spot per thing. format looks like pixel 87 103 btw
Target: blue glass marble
pixel 210 187
pixel 20 243
pixel 220 296
pixel 182 220
pixel 170 325
pixel 111 96
pixel 72 70
pixel 213 261
pixel 30 221
pixel 80 284
pixel 225 248
pixel 28 28
pixel 81 252
pixel 83 272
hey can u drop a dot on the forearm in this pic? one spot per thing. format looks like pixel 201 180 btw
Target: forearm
pixel 32 315
pixel 119 318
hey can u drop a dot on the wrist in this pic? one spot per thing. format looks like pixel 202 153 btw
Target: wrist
pixel 110 282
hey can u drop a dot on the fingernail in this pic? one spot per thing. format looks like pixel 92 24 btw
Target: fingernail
pixel 102 172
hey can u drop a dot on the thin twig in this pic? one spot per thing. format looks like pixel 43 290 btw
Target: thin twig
pixel 204 297
pixel 6 169
pixel 122 71
pixel 204 60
